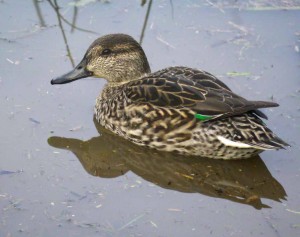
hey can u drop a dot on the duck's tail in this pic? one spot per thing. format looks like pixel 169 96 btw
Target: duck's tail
pixel 251 130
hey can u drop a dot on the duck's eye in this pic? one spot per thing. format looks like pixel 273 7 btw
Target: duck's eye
pixel 106 52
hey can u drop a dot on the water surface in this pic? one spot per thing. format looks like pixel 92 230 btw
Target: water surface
pixel 61 175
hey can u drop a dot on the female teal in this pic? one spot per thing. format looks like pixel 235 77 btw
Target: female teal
pixel 175 109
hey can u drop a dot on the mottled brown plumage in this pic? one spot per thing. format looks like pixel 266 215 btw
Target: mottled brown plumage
pixel 175 109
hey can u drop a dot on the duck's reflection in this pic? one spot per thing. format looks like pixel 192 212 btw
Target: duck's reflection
pixel 108 156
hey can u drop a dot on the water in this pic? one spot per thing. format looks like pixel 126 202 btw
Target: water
pixel 59 177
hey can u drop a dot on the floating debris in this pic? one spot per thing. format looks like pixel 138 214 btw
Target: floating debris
pixel 274 8
pixel 132 221
pixel 239 27
pixel 81 3
pixel 153 224
pixel 216 6
pixel 174 209
pixel 262 5
pixel 34 121
pixel 238 74
pixel 13 62
pixel 165 42
pixel 3 172
pixel 16 204
pixel 75 128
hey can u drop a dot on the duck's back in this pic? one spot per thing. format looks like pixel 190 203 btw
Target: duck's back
pixel 200 91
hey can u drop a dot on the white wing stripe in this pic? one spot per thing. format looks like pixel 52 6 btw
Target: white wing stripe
pixel 228 142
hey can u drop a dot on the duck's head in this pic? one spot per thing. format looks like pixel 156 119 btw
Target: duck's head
pixel 118 58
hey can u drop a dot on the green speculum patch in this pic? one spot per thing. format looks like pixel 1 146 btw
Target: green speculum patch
pixel 203 117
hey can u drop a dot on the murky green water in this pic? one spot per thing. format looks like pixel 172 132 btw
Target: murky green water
pixel 59 177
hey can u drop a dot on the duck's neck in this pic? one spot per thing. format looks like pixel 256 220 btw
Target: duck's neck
pixel 116 83
pixel 133 71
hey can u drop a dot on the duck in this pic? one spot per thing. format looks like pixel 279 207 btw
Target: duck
pixel 177 109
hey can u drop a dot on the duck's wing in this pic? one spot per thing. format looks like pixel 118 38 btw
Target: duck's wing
pixel 206 79
pixel 181 87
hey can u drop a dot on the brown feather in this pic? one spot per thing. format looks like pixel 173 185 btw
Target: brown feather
pixel 190 88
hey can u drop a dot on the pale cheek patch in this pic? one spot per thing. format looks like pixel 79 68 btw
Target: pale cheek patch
pixel 228 142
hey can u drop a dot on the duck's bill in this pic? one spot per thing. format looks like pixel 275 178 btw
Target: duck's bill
pixel 77 73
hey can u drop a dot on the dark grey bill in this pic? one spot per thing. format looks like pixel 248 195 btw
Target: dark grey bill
pixel 77 73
